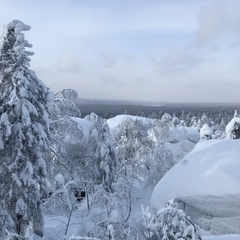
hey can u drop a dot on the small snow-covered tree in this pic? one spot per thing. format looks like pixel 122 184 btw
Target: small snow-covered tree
pixel 175 121
pixel 233 128
pixel 206 132
pixel 169 223
pixel 63 107
pixel 106 157
pixel 133 148
pixel 24 136
pixel 236 113
pixel 69 94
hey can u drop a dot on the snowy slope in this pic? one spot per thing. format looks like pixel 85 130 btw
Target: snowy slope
pixel 207 184
pixel 224 237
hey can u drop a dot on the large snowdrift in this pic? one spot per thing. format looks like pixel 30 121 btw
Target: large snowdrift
pixel 207 184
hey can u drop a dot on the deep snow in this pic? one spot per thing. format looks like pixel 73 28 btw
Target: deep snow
pixel 207 184
pixel 214 162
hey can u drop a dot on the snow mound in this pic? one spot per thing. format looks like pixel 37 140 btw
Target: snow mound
pixel 206 182
pixel 60 179
pixel 224 237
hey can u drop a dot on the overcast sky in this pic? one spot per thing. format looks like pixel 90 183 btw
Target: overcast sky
pixel 157 50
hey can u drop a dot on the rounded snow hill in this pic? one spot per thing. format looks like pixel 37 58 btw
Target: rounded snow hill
pixel 207 185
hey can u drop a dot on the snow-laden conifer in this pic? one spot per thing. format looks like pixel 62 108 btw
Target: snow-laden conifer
pixel 24 134
pixel 233 128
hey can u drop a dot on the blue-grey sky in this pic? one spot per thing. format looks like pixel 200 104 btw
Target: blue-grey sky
pixel 157 50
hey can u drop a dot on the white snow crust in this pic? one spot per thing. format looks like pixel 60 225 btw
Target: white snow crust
pixel 207 182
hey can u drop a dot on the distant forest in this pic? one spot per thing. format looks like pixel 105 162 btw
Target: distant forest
pixel 108 109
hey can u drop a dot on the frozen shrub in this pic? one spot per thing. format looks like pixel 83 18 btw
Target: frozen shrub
pixel 169 223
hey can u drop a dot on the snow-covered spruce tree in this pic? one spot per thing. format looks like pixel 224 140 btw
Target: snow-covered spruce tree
pixel 24 135
pixel 64 106
pixel 133 148
pixel 106 156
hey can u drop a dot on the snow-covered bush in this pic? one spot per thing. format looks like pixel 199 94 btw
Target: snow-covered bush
pixel 169 223
pixel 233 128
pixel 69 94
pixel 206 132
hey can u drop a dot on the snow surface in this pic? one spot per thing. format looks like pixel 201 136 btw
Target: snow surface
pixel 207 182
pixel 223 237
pixel 197 173
pixel 212 168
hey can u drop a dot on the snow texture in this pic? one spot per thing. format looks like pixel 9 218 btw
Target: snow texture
pixel 60 179
pixel 207 182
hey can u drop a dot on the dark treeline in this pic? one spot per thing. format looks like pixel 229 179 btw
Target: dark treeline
pixel 108 109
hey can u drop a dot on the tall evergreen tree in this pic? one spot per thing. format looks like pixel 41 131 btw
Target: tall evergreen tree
pixel 24 135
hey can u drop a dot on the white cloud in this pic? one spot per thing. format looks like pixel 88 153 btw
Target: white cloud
pixel 100 48
pixel 107 59
pixel 217 20
pixel 68 63
pixel 109 80
pixel 175 60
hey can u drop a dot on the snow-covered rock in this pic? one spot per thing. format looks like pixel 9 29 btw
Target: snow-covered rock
pixel 60 179
pixel 206 183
